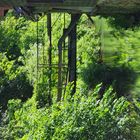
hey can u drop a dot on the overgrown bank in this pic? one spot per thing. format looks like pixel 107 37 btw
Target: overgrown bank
pixel 83 117
pixel 105 55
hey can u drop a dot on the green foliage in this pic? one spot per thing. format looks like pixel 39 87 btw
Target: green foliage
pixel 125 21
pixel 15 39
pixel 80 118
pixel 110 56
pixel 120 77
pixel 16 34
pixel 105 55
pixel 9 38
pixel 13 82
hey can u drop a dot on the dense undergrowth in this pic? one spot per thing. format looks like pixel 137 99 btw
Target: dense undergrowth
pixel 82 117
pixel 14 82
pixel 105 54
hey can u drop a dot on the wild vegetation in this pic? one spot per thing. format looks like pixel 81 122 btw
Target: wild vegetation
pixel 106 104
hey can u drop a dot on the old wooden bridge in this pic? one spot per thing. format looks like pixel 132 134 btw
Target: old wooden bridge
pixel 76 8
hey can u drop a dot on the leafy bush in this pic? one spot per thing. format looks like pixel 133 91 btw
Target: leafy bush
pixel 14 42
pixel 16 35
pixel 82 117
pixel 13 82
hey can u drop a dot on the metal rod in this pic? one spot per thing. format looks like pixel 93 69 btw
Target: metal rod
pixel 37 50
pixel 43 52
pixel 64 44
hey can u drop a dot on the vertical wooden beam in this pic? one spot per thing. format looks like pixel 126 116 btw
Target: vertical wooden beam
pixel 72 54
pixel 72 39
pixel 49 26
pixel 60 70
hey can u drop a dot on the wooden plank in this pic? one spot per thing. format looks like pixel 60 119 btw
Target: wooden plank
pixel 95 7
pixel 12 3
pixel 45 1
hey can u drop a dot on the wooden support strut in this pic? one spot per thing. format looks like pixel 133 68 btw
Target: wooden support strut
pixel 72 52
pixel 49 26
pixel 74 19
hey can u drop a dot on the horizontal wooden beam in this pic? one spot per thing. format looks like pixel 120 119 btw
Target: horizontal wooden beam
pixel 93 7
pixel 45 1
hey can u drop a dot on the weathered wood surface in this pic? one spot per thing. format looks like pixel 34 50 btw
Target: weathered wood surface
pixel 94 7
pixel 118 6
pixel 3 10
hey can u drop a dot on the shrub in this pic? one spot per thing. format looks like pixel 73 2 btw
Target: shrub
pixel 13 82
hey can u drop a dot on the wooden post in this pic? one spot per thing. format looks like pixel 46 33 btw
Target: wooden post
pixel 72 53
pixel 71 32
pixel 49 26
